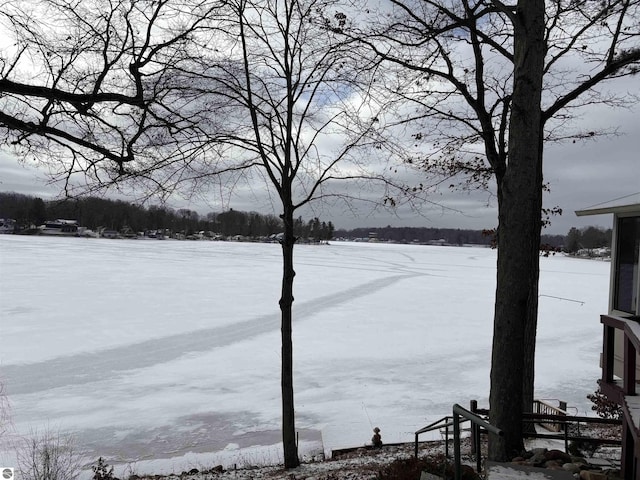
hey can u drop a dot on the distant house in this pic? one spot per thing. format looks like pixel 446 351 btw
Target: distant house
pixel 7 225
pixel 59 227
pixel 127 232
pixel 110 234
pixel 620 361
pixel 441 242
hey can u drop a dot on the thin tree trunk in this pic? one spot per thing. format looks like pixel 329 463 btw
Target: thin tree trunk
pixel 519 202
pixel 286 304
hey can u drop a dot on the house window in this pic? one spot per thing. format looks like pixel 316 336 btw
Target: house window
pixel 627 274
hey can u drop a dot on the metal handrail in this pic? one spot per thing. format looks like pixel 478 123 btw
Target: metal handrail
pixel 563 422
pixel 436 426
pixel 458 412
pixel 478 422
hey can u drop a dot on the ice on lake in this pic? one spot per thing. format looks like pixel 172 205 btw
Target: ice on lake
pixel 166 354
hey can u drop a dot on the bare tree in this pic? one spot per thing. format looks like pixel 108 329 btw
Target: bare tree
pixel 180 94
pixel 296 110
pixel 48 455
pixel 5 414
pixel 483 85
pixel 95 92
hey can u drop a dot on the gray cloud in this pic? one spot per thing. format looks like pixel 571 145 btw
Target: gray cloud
pixel 20 178
pixel 585 174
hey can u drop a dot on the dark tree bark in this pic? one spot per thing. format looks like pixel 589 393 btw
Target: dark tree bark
pixel 289 443
pixel 519 223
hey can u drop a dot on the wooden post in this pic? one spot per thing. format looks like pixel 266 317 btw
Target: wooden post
pixel 608 346
pixel 628 464
pixel 446 440
pixel 475 448
pixel 456 446
pixel 563 406
pixel 629 367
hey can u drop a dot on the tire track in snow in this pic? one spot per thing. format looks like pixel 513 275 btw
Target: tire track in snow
pixel 88 367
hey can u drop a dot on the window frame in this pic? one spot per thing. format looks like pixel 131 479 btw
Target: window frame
pixel 613 284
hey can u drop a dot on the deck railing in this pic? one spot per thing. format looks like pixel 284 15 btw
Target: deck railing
pixel 617 388
pixel 444 423
pixel 543 407
pixel 622 390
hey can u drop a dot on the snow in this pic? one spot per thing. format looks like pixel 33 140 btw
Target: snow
pixel 514 472
pixel 162 355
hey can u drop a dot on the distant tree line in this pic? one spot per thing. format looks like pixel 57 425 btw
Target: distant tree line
pixel 417 235
pixel 93 213
pixel 451 236
pixel 588 238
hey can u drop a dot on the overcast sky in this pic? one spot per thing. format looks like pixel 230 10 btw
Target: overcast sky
pixel 579 175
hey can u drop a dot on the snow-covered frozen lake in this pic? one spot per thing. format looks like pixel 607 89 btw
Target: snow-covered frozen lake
pixel 165 355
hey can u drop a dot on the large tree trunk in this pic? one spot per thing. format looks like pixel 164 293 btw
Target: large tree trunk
pixel 531 326
pixel 286 304
pixel 519 203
